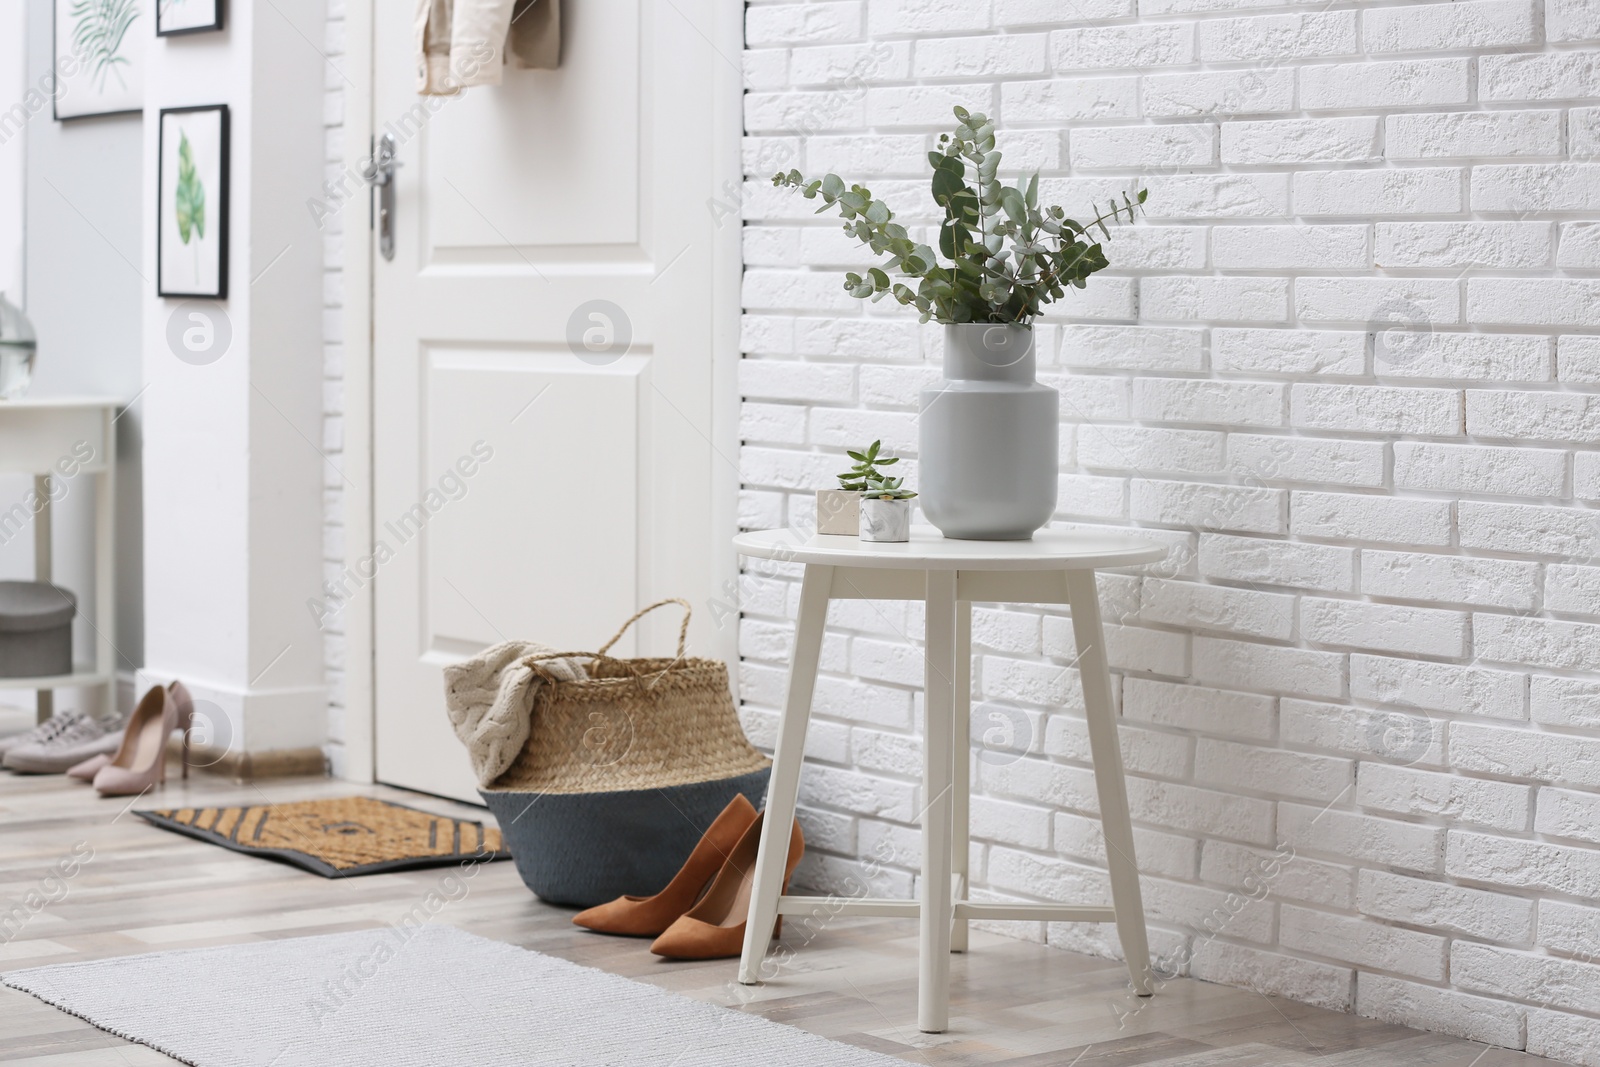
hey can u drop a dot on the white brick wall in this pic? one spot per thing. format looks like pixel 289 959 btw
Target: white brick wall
pixel 333 561
pixel 1348 368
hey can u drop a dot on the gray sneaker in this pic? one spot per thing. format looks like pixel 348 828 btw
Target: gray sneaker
pixel 45 731
pixel 75 743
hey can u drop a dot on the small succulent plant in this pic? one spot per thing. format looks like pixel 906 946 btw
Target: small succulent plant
pixel 865 477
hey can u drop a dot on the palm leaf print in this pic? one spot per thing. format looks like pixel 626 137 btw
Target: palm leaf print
pixel 190 199
pixel 98 32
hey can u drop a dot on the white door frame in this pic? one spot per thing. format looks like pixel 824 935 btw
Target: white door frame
pixel 724 34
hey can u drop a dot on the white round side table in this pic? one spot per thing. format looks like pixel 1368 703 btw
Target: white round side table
pixel 1055 567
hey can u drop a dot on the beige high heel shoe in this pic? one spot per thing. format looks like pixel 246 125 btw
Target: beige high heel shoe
pixel 85 771
pixel 141 762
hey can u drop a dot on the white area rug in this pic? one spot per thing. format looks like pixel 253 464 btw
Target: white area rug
pixel 396 998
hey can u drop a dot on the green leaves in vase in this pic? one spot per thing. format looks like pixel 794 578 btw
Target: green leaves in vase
pixel 1007 256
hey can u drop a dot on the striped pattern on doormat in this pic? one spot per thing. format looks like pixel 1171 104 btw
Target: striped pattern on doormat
pixel 337 838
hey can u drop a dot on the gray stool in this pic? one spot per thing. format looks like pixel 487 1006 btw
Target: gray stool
pixel 35 630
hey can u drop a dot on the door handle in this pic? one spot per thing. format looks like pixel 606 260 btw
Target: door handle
pixel 379 172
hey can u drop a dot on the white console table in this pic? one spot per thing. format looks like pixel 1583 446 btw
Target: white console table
pixel 73 441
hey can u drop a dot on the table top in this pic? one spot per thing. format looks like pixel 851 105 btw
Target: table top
pixel 36 403
pixel 929 550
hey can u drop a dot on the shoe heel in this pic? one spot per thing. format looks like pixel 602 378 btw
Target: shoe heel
pixel 185 705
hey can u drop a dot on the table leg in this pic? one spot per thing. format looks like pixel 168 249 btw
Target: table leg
pixel 961 740
pixel 1117 826
pixel 784 785
pixel 937 912
pixel 43 566
pixel 105 577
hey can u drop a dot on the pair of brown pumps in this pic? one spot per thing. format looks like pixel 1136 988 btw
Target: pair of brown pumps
pixel 700 915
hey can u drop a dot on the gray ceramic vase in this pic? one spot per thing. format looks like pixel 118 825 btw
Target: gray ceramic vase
pixel 989 437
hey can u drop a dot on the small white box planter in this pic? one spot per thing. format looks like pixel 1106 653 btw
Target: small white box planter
pixel 885 520
pixel 838 512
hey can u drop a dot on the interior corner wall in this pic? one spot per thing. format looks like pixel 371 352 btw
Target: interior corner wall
pixel 290 463
pixel 82 193
pixel 234 469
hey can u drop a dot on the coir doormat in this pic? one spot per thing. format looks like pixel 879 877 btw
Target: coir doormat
pixel 337 838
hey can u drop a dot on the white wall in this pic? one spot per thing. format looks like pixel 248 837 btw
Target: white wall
pixel 1376 642
pixel 13 79
pixel 83 194
pixel 16 557
pixel 233 469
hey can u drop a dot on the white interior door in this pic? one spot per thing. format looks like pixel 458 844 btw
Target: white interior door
pixel 542 347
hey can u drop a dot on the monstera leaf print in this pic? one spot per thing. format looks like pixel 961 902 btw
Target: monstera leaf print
pixel 190 200
pixel 100 27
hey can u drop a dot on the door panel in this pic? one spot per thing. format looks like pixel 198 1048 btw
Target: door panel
pixel 585 432
pixel 516 469
pixel 562 172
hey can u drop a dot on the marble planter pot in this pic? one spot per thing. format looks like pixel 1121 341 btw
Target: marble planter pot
pixel 838 512
pixel 885 520
pixel 988 452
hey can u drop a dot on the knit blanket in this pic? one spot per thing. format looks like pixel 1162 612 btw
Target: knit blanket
pixel 490 701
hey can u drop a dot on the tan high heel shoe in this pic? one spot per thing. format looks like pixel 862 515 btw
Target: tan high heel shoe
pixel 141 761
pixel 714 928
pixel 649 916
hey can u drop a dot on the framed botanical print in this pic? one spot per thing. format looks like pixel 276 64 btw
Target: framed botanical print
pixel 192 209
pixel 174 17
pixel 100 56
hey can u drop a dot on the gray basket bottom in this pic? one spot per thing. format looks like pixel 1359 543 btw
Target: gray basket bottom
pixel 588 848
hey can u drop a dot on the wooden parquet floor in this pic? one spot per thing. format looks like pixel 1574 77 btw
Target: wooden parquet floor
pixel 853 980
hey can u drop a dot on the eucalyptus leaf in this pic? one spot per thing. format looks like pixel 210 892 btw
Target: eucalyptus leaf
pixel 1004 258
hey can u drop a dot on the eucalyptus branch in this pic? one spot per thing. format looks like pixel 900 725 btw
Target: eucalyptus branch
pixel 1007 258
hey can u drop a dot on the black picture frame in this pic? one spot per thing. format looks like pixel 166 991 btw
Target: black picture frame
pixel 183 31
pixel 222 213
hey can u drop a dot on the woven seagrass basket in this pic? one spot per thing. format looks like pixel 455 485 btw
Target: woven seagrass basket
pixel 622 772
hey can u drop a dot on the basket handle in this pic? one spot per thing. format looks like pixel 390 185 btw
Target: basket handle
pixel 683 640
pixel 683 631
